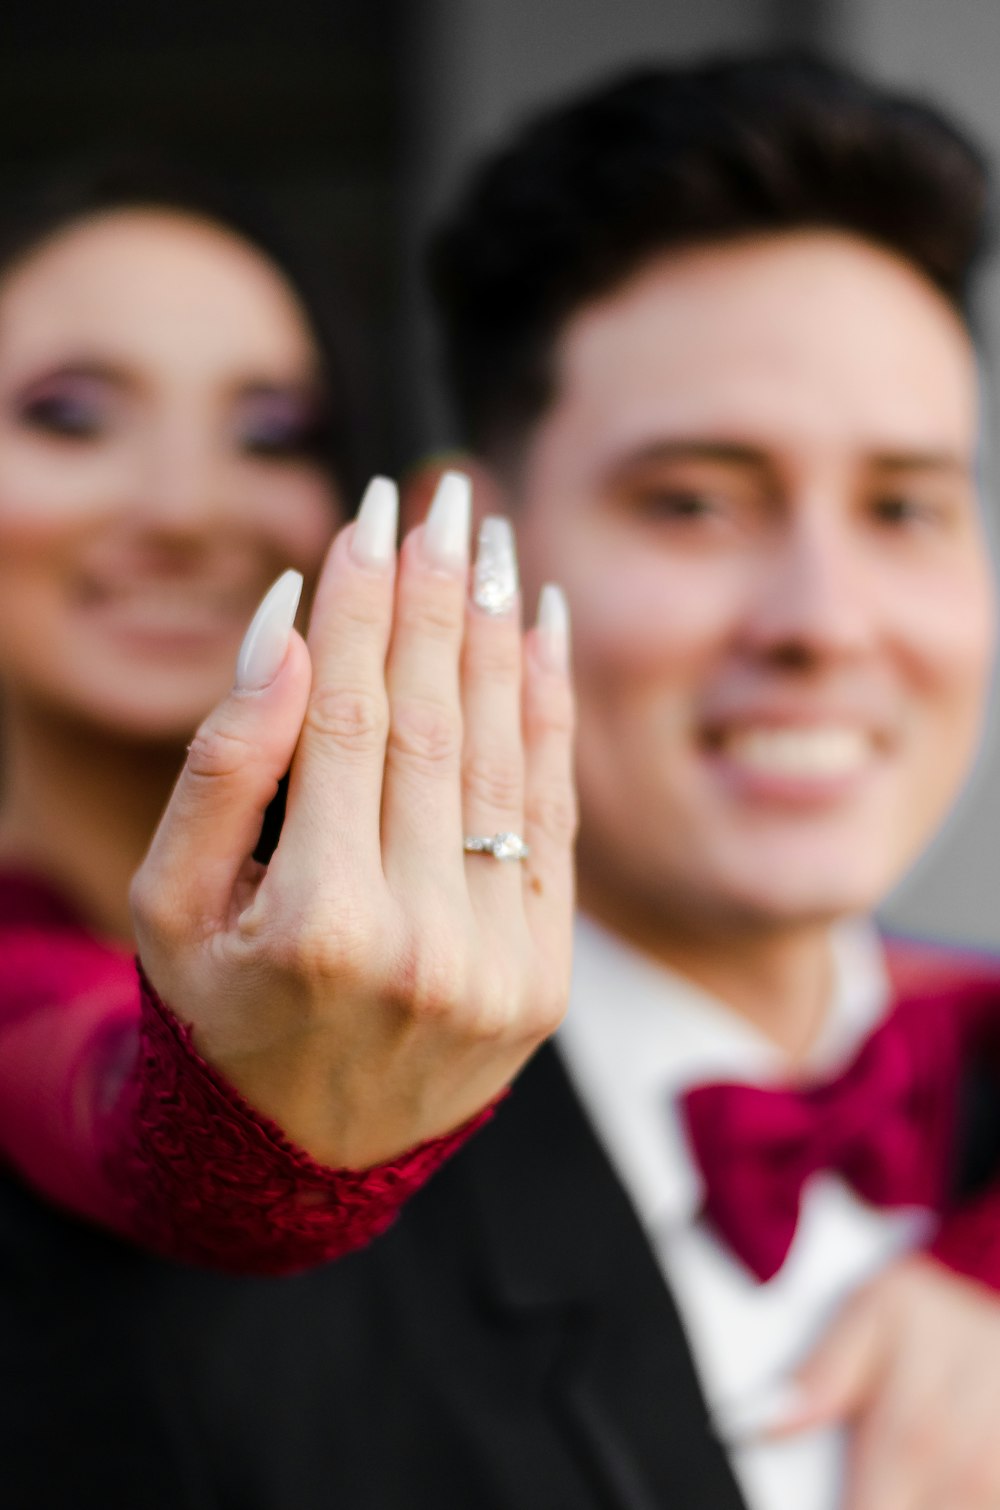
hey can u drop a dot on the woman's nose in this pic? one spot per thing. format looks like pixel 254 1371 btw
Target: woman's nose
pixel 181 487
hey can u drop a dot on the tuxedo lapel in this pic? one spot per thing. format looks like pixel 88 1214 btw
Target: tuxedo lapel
pixel 563 1250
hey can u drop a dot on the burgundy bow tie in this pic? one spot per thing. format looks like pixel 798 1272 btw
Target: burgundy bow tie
pixel 886 1125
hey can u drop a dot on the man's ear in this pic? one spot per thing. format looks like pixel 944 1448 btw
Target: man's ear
pixel 420 482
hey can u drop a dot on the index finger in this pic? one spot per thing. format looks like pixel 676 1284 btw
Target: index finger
pixel 335 786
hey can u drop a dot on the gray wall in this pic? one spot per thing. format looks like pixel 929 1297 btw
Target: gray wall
pixel 951 50
pixel 478 65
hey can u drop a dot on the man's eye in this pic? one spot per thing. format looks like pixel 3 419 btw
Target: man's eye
pixel 679 503
pixel 897 511
pixel 64 414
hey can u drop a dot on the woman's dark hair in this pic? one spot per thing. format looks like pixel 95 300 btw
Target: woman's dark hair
pixel 74 192
pixel 674 157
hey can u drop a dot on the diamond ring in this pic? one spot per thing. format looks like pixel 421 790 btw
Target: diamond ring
pixel 500 846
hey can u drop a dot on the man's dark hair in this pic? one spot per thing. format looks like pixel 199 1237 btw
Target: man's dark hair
pixel 673 157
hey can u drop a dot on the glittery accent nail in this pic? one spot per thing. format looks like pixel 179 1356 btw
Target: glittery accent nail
pixel 494 579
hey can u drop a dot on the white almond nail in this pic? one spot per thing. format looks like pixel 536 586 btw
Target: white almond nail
pixel 494 577
pixel 446 532
pixel 266 641
pixel 373 540
pixel 553 627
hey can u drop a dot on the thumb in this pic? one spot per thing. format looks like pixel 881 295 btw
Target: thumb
pixel 234 763
pixel 839 1375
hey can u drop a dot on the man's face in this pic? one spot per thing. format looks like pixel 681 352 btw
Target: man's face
pixel 755 482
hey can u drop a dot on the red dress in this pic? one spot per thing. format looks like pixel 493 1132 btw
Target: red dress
pixel 107 1109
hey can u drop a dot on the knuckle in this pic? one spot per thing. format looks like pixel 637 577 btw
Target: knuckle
pixel 434 986
pixel 429 980
pixel 155 915
pixel 323 946
pixel 548 1008
pixel 144 900
pixel 494 1007
pixel 433 610
pixel 493 782
pixel 554 813
pixel 362 605
pixel 217 751
pixel 551 711
pixel 353 719
pixel 425 733
pixel 495 653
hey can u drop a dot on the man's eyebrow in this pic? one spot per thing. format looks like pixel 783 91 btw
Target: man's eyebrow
pixel 730 453
pixel 946 462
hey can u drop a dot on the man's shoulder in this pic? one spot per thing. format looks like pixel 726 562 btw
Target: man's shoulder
pixel 919 966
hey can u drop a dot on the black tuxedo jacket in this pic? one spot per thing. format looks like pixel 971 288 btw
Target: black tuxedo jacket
pixel 509 1345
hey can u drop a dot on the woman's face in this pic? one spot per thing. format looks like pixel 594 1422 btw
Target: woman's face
pixel 158 405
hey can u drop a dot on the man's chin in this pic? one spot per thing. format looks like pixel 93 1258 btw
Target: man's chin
pixel 785 901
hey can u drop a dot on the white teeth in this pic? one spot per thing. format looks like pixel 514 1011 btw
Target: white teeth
pixel 831 751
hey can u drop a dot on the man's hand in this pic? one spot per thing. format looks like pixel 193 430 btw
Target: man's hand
pixel 913 1363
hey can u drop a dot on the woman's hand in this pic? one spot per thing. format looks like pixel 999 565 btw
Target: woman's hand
pixel 374 986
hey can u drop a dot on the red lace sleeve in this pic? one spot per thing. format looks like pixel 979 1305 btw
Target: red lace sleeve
pixel 204 1178
pixel 107 1110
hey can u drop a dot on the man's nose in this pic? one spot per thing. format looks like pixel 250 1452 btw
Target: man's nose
pixel 811 601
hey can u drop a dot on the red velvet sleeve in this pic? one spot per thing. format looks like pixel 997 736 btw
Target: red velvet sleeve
pixel 107 1109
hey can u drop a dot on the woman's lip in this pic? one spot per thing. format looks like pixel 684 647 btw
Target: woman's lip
pixel 152 617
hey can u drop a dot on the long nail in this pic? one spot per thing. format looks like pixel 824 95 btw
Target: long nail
pixel 552 627
pixel 446 532
pixel 494 578
pixel 266 641
pixel 373 539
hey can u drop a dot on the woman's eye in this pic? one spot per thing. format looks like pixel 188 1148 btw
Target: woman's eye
pixel 71 415
pixel 276 442
pixel 279 430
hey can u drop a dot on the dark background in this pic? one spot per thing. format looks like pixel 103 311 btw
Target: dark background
pixel 357 118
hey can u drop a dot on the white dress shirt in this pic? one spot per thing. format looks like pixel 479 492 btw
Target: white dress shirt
pixel 636 1035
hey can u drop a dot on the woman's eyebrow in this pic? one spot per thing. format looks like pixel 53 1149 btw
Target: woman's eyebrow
pixel 79 367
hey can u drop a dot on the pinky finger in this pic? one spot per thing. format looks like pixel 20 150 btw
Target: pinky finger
pixel 550 798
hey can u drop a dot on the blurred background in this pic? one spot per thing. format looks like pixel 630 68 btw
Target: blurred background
pixel 358 117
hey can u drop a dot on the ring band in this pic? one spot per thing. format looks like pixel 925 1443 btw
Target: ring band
pixel 500 846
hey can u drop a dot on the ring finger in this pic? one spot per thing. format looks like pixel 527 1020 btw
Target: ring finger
pixel 493 747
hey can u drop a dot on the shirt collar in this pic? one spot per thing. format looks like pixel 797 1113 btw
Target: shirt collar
pixel 638 1034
